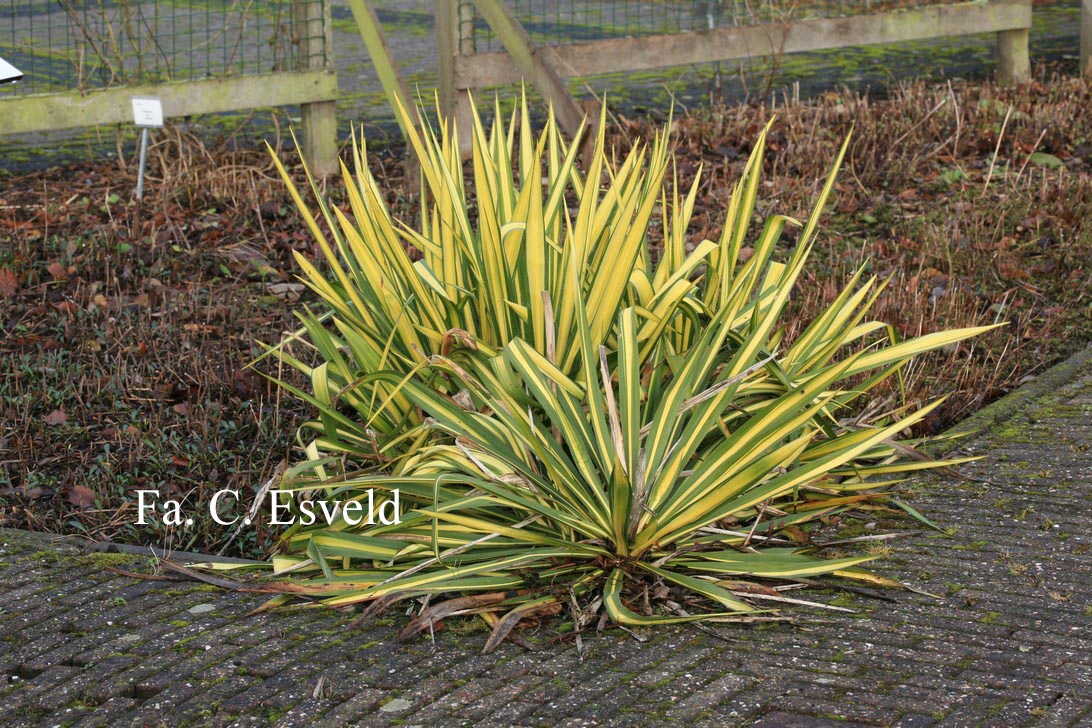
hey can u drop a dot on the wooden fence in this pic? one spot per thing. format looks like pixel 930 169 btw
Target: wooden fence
pixel 1086 38
pixel 126 49
pixel 462 69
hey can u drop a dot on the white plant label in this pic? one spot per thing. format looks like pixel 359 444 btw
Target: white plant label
pixel 147 111
pixel 8 72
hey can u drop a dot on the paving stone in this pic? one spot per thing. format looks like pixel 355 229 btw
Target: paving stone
pixel 439 698
pixel 1009 644
pixel 194 702
pixel 123 683
pixel 356 709
pixel 1066 710
pixel 495 701
pixel 305 713
pixel 251 698
pixel 24 692
pixel 674 667
pixel 80 684
pixel 567 702
pixel 67 716
pixel 708 697
pixel 113 712
pixel 511 713
pixel 821 701
pixel 783 719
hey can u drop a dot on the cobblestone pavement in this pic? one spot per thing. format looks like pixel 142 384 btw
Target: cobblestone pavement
pixel 1008 644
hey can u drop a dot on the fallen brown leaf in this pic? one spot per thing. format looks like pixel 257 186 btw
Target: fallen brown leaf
pixel 81 496
pixel 56 417
pixel 9 284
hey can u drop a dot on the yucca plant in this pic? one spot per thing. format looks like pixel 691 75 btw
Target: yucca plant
pixel 505 258
pixel 568 426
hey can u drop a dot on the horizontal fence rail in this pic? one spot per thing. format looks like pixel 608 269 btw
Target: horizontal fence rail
pixel 83 61
pixel 484 43
pixel 722 44
pixel 550 22
pixel 67 45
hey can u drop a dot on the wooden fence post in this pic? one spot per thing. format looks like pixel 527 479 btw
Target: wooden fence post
pixel 1086 38
pixel 1013 61
pixel 319 119
pixel 468 46
pixel 532 64
pixel 455 37
pixel 386 68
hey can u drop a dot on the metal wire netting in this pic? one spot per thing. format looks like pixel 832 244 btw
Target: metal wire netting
pixel 83 45
pixel 557 22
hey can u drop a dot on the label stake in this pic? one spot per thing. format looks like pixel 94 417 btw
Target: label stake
pixel 147 114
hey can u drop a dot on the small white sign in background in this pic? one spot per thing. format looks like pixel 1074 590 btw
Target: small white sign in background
pixel 8 72
pixel 147 114
pixel 147 111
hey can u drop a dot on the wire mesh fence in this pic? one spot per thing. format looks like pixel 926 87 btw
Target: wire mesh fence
pixel 83 45
pixel 558 22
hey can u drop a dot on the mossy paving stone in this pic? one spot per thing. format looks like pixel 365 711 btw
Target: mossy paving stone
pixel 259 696
pixel 262 636
pixel 634 702
pixel 186 669
pixel 338 682
pixel 38 654
pixel 709 696
pixel 1009 643
pixel 306 712
pixel 189 703
pixel 1074 679
pixel 355 709
pixel 25 688
pixel 123 682
pixel 403 667
pixel 110 713
pixel 784 719
pixel 436 699
pixel 301 659
pixel 514 712
pixel 1035 636
pixel 566 703
pixel 78 686
pixel 1063 712
pixel 293 690
pixel 744 707
pixel 513 693
pixel 814 700
pixel 675 665
pixel 24 597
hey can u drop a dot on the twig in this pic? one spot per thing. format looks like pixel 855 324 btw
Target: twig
pixel 924 119
pixel 1030 155
pixel 148 577
pixel 993 161
pixel 228 584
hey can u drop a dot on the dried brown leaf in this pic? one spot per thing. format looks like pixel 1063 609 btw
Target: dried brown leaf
pixel 56 417
pixel 81 496
pixel 9 284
